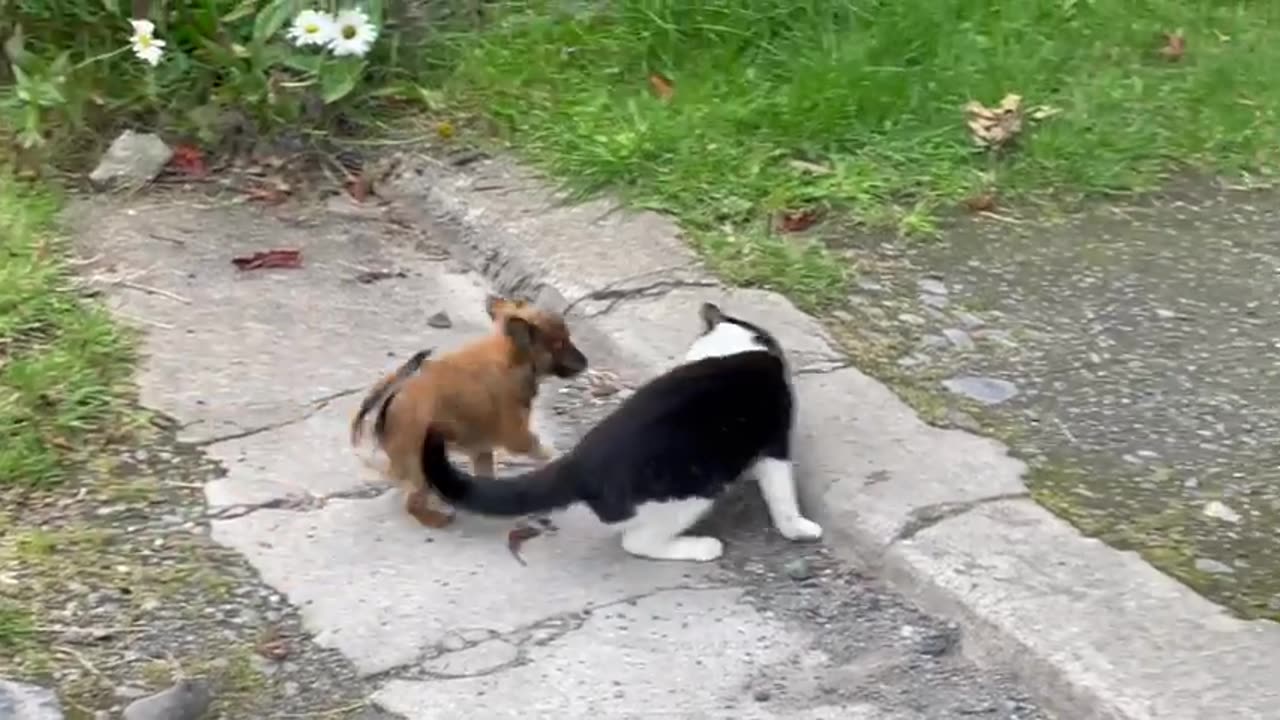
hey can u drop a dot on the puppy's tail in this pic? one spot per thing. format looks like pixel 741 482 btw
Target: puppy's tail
pixel 549 487
pixel 382 393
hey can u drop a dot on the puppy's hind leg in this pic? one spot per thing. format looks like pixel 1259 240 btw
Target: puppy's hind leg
pixel 420 501
pixel 655 530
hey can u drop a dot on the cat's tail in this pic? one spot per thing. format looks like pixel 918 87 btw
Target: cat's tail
pixel 547 488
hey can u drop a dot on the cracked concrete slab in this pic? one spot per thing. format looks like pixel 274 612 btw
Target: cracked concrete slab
pixel 774 630
pixel 383 591
pixel 622 663
pixel 872 471
pixel 229 351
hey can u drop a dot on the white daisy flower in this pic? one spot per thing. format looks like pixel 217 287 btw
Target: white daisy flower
pixel 311 27
pixel 145 44
pixel 353 33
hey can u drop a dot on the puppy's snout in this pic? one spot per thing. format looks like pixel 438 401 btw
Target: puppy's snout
pixel 570 361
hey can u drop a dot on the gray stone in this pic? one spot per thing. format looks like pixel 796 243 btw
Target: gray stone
pixel 969 320
pixel 911 319
pixel 959 338
pixel 986 390
pixel 935 342
pixel 440 321
pixel 933 286
pixel 1213 567
pixel 798 569
pixel 936 302
pixel 963 420
pixel 870 286
pixel 187 699
pixel 21 701
pixel 132 159
pixel 1220 511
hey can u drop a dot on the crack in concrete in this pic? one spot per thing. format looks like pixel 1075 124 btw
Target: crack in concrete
pixel 923 518
pixel 824 368
pixel 538 633
pixel 317 405
pixel 615 296
pixel 296 503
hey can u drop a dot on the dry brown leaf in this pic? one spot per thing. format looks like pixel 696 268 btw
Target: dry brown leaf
pixel 797 220
pixel 1175 46
pixel 662 87
pixel 357 187
pixel 983 202
pixel 516 538
pixel 264 259
pixel 993 128
pixel 808 167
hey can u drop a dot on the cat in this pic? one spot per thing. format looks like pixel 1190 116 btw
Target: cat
pixel 655 465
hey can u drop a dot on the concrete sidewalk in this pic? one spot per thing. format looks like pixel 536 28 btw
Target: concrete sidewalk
pixel 263 368
pixel 942 513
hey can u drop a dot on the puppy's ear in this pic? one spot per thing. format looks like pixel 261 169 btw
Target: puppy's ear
pixel 711 316
pixel 493 304
pixel 523 334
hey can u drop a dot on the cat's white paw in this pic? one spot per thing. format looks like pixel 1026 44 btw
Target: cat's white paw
pixel 799 528
pixel 694 549
pixel 697 549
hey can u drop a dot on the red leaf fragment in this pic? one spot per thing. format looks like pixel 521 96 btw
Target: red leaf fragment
pixel 189 160
pixel 516 538
pixel 662 87
pixel 357 186
pixel 1175 46
pixel 264 259
pixel 797 220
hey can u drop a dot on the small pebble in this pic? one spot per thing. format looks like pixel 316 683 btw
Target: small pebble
pixel 1213 567
pixel 798 569
pixel 933 286
pixel 440 321
pixel 1220 511
pixel 187 699
pixel 959 338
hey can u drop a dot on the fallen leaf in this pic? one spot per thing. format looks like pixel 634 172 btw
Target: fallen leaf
pixel 1043 112
pixel 983 202
pixel 357 187
pixel 662 87
pixel 516 538
pixel 274 650
pixel 373 276
pixel 189 160
pixel 445 130
pixel 265 259
pixel 993 128
pixel 1175 46
pixel 808 167
pixel 273 191
pixel 797 220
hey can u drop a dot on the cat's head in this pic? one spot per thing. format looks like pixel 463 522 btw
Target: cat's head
pixel 724 334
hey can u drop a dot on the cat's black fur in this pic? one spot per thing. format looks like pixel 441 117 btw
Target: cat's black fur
pixel 687 433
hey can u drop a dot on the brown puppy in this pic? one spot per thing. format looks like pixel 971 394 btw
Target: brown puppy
pixel 480 396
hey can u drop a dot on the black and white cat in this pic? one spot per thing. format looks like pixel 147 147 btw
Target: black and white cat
pixel 655 464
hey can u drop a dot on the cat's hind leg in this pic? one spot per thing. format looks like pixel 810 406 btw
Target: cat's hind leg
pixel 778 486
pixel 655 530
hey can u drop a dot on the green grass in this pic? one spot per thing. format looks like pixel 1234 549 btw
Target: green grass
pixel 64 367
pixel 874 91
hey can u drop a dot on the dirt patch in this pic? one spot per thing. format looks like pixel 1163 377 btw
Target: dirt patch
pixel 113 589
pixel 1123 350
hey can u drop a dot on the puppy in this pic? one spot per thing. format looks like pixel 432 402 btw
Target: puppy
pixel 479 397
